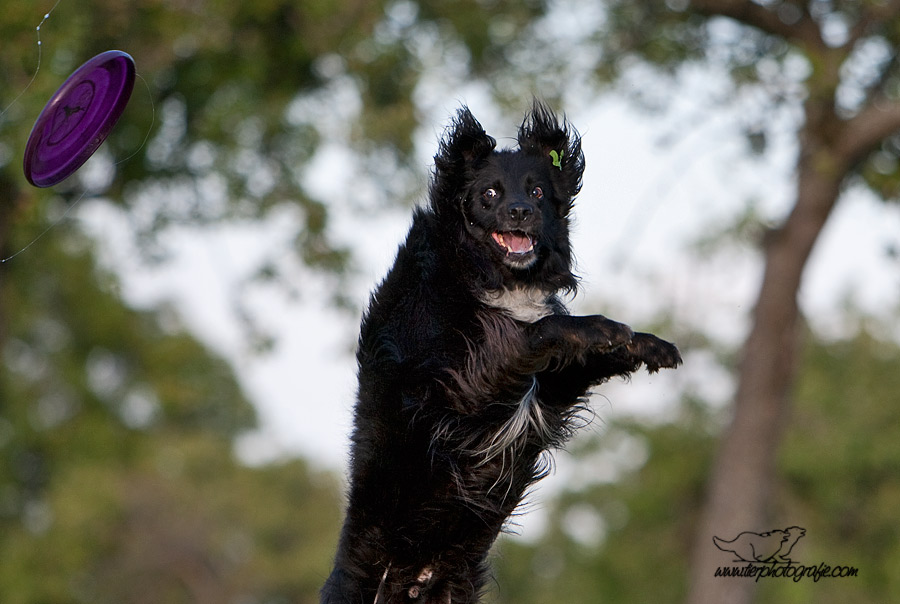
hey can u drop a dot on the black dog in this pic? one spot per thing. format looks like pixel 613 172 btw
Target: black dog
pixel 470 368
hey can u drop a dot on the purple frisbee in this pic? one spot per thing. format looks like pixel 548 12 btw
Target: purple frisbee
pixel 78 118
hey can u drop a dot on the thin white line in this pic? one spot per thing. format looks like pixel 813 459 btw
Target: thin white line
pixel 40 54
pixel 45 231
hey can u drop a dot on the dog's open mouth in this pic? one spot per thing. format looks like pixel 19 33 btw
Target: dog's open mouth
pixel 514 242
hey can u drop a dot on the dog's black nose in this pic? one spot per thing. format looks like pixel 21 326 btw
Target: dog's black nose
pixel 520 211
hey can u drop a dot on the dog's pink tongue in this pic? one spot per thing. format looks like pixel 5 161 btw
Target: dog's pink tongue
pixel 516 244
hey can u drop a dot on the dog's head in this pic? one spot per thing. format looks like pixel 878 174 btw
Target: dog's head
pixel 509 209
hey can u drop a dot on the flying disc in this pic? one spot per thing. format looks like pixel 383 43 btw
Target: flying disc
pixel 78 118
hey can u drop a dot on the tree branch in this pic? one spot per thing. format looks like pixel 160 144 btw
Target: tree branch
pixel 874 14
pixel 804 32
pixel 876 89
pixel 873 17
pixel 860 135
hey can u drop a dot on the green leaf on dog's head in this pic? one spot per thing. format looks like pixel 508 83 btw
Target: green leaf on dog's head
pixel 557 159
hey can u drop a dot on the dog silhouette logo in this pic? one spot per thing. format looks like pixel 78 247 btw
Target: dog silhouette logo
pixel 772 546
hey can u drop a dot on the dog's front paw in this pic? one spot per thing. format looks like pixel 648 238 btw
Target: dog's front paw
pixel 606 334
pixel 654 352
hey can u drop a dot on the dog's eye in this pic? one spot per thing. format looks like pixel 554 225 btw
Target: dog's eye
pixel 490 194
pixel 537 193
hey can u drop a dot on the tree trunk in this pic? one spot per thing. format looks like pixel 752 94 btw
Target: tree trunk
pixel 740 488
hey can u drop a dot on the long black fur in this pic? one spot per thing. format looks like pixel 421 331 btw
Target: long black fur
pixel 470 367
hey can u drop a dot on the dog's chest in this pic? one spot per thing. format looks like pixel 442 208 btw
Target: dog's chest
pixel 523 304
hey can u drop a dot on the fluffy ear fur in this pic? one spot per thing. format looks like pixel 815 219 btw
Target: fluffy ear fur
pixel 559 145
pixel 464 143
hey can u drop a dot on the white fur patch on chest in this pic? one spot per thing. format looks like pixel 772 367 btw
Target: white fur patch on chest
pixel 525 304
pixel 527 417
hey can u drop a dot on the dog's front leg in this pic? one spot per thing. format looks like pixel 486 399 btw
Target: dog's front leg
pixel 560 340
pixel 565 385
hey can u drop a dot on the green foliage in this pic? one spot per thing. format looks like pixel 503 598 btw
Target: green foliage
pixel 841 469
pixel 651 31
pixel 118 481
pixel 187 524
pixel 840 480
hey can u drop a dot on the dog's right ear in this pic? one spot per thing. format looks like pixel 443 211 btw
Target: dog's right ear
pixel 464 143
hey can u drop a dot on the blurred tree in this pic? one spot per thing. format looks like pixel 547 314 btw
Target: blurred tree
pixel 839 469
pixel 836 63
pixel 238 99
pixel 118 480
pixel 623 530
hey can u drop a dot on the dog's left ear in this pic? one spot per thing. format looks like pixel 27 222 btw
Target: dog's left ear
pixel 464 144
pixel 559 145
